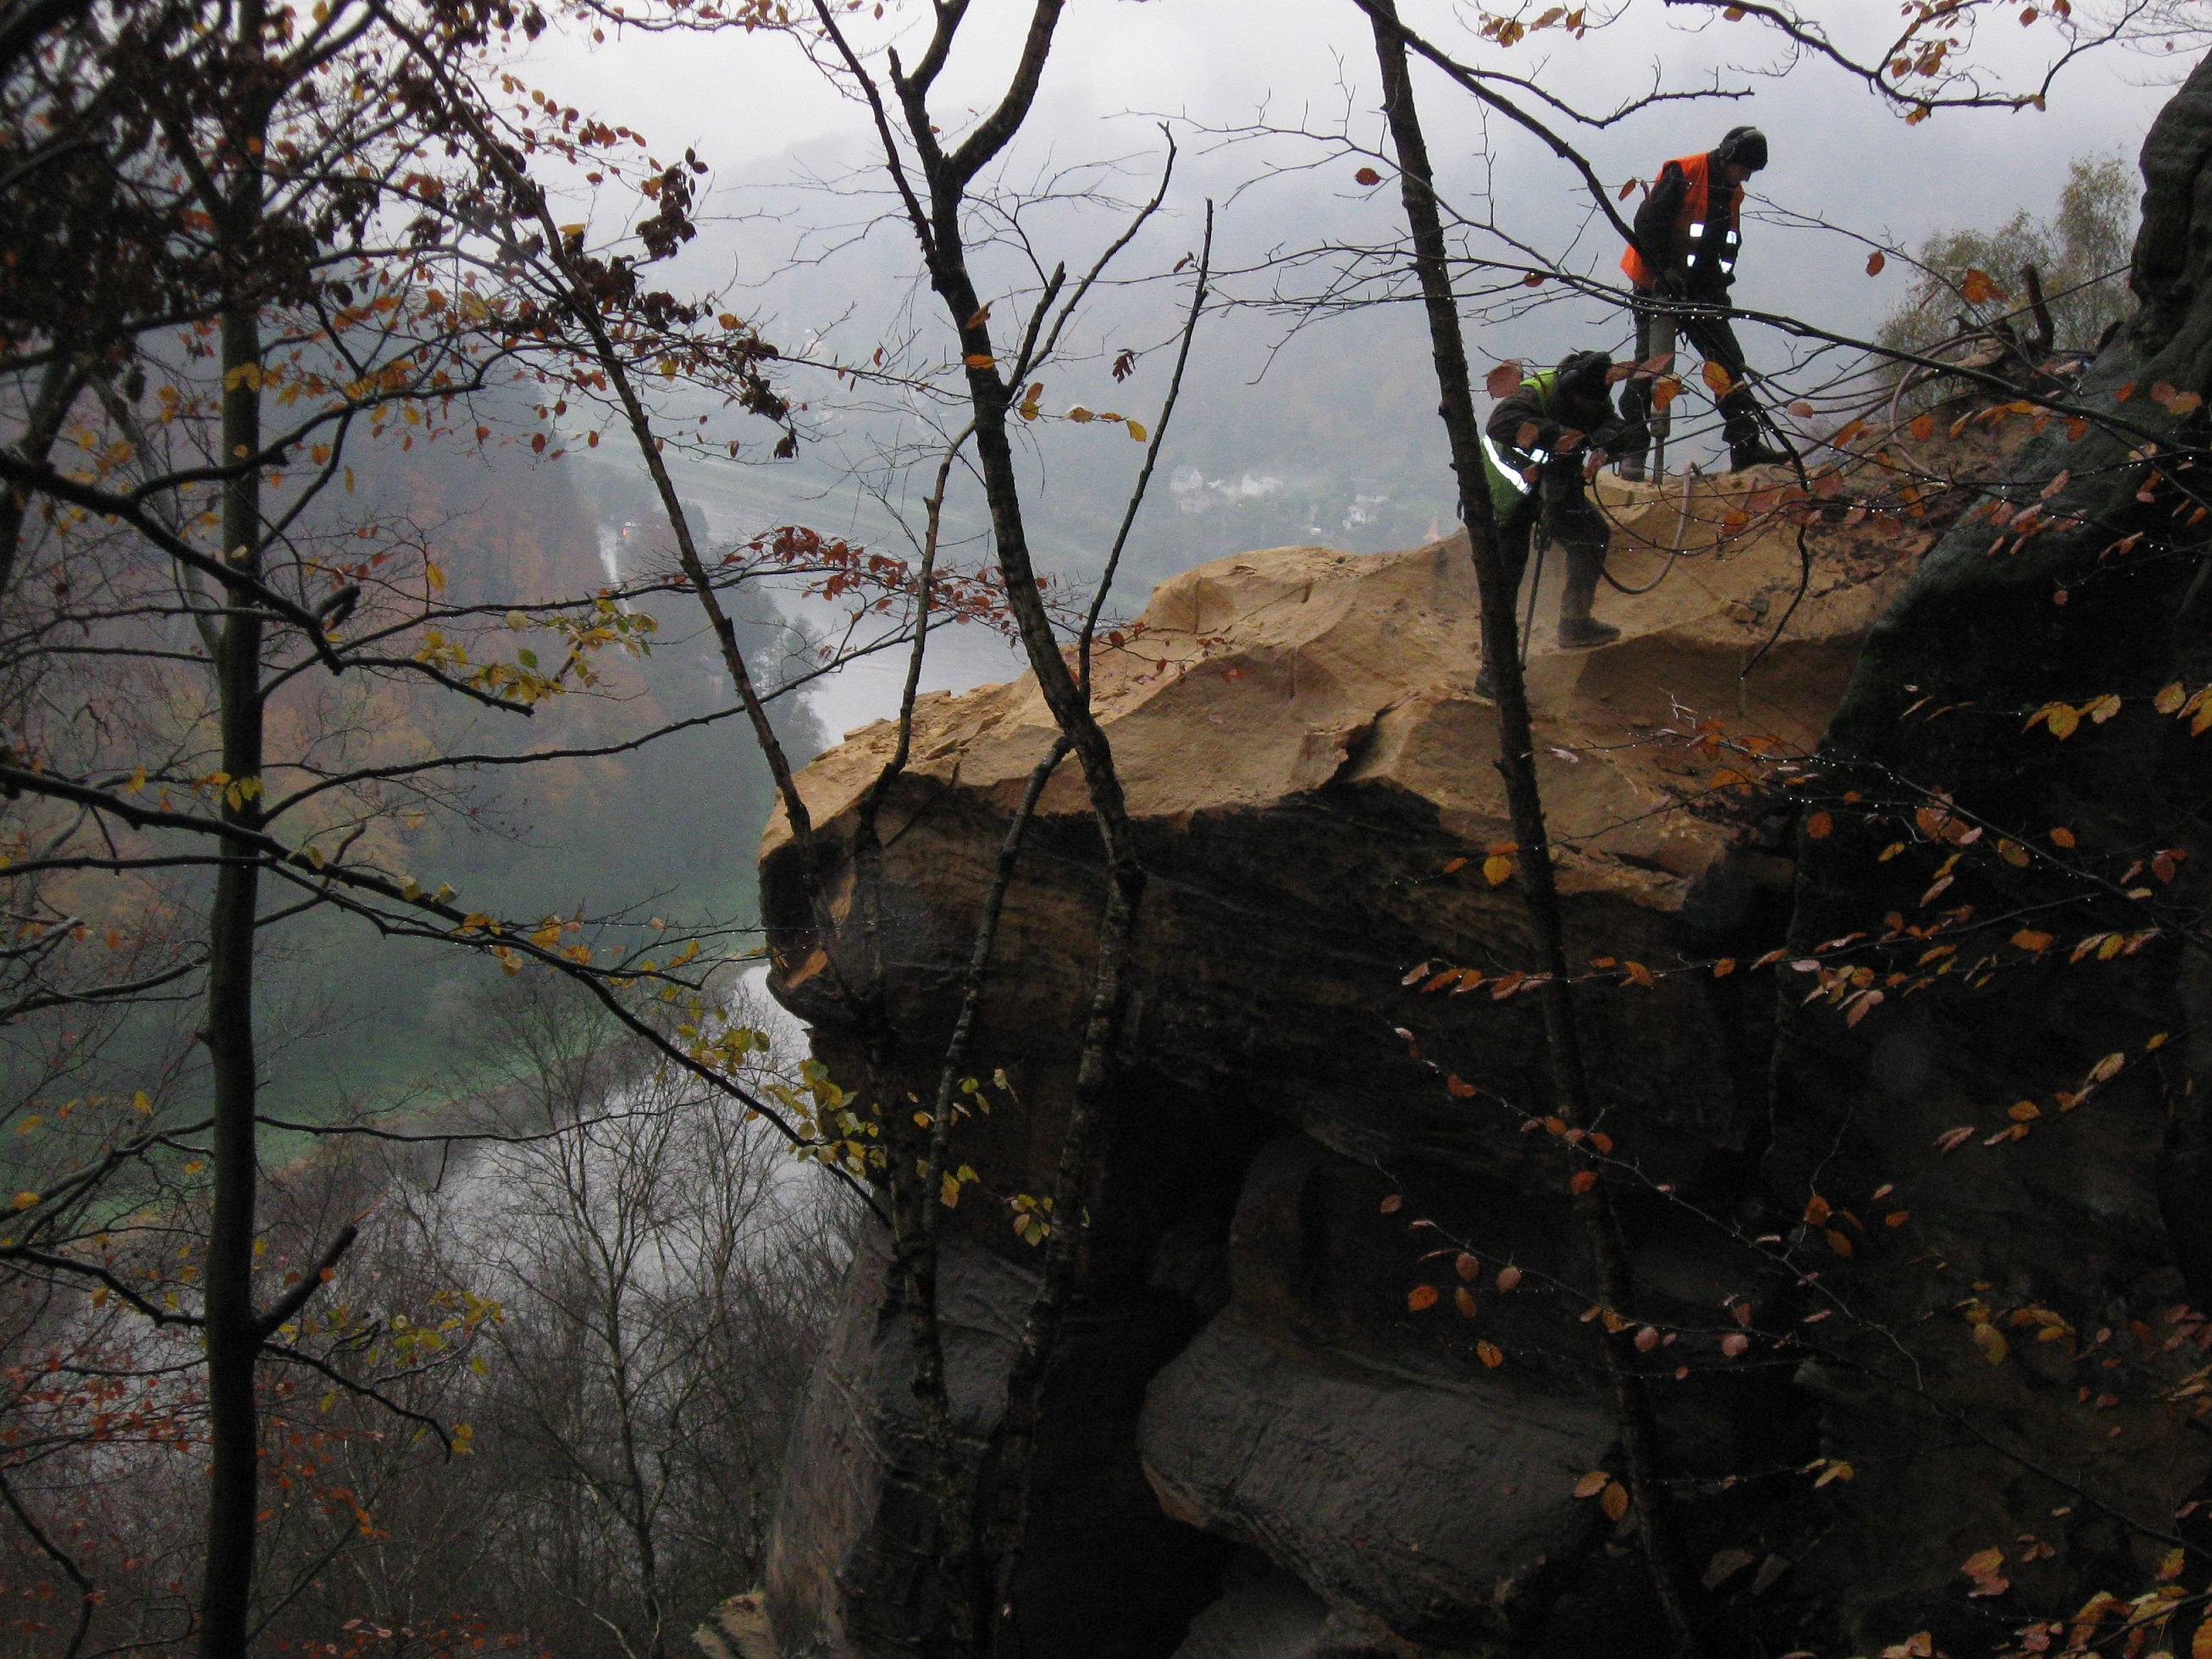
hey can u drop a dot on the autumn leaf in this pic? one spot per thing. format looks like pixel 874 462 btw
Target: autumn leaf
pixel 1466 1267
pixel 1592 1484
pixel 1367 176
pixel 1876 261
pixel 1463 1299
pixel 1491 1355
pixel 1421 1298
pixel 1724 1566
pixel 1501 381
pixel 1392 1204
pixel 1717 380
pixel 1979 287
pixel 1496 869
pixel 1820 827
pixel 1508 1278
pixel 1614 1500
pixel 1992 1343
pixel 1584 1181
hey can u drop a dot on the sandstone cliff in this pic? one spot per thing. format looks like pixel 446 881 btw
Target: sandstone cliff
pixel 1260 1441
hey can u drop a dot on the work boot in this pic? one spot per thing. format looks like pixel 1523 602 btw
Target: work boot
pixel 1744 456
pixel 1630 471
pixel 1585 633
pixel 1578 630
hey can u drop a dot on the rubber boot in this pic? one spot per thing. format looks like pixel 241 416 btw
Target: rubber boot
pixel 1578 630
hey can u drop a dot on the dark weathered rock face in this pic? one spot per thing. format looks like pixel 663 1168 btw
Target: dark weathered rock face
pixel 2099 1213
pixel 1260 1446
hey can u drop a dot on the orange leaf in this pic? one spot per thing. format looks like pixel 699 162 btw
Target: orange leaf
pixel 1592 1484
pixel 1463 1299
pixel 1718 379
pixel 1491 1355
pixel 1421 1298
pixel 1876 261
pixel 1614 1500
pixel 1820 827
pixel 1466 1267
pixel 1508 1278
pixel 1392 1204
pixel 1367 176
pixel 1584 1181
pixel 1501 381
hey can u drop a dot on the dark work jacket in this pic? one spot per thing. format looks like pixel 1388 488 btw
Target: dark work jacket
pixel 1658 228
pixel 1511 450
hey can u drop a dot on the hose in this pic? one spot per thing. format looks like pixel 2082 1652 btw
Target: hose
pixel 1681 530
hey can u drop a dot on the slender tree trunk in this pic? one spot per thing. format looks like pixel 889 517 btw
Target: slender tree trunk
pixel 1524 801
pixel 234 1337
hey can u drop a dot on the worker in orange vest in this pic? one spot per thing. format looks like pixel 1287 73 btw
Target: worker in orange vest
pixel 1688 231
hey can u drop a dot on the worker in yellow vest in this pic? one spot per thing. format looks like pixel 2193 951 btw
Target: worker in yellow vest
pixel 1688 232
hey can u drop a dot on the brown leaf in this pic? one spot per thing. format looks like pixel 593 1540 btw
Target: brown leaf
pixel 1367 176
pixel 1463 1299
pixel 1592 1484
pixel 1501 381
pixel 1725 1566
pixel 1466 1267
pixel 1876 261
pixel 1614 1500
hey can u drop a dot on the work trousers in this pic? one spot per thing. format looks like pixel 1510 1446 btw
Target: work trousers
pixel 1578 529
pixel 1659 324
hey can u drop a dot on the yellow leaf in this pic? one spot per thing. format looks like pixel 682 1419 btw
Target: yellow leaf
pixel 1614 1500
pixel 1496 869
pixel 1137 430
pixel 1079 413
pixel 1991 1342
pixel 25 1201
pixel 1592 1484
pixel 433 575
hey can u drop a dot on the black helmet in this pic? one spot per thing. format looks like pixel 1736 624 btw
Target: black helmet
pixel 1582 375
pixel 1744 145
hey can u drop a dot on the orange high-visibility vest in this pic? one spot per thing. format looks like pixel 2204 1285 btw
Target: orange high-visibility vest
pixel 1693 224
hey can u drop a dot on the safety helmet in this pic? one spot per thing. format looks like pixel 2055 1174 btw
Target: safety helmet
pixel 1746 146
pixel 1582 375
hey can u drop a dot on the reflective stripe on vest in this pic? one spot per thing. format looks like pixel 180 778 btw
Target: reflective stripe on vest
pixel 1499 463
pixel 1691 225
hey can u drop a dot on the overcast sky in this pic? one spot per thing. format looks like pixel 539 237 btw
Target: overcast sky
pixel 761 116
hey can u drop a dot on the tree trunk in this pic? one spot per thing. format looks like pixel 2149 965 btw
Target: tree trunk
pixel 232 1335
